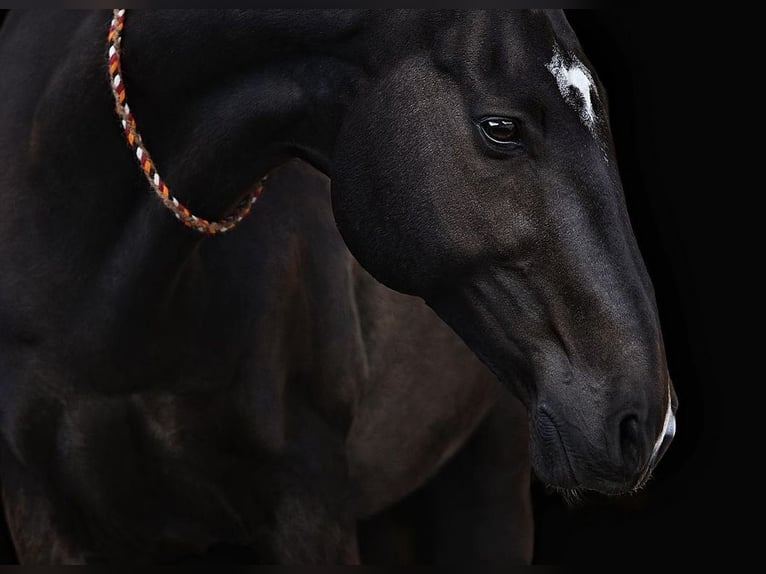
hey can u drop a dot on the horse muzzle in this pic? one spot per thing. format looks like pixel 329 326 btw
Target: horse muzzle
pixel 563 456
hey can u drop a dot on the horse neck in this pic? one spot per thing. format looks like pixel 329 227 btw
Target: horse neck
pixel 231 97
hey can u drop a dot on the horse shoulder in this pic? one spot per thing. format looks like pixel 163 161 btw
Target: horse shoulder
pixel 425 394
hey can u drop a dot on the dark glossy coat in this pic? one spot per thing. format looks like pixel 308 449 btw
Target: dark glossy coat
pixel 165 397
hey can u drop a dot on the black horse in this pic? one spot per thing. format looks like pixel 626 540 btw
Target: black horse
pixel 168 396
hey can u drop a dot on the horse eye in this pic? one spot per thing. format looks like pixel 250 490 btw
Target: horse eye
pixel 501 131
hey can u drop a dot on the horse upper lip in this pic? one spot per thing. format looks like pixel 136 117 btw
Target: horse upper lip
pixel 663 440
pixel 668 431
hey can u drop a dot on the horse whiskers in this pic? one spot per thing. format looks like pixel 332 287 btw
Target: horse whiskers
pixel 642 483
pixel 576 497
pixel 573 497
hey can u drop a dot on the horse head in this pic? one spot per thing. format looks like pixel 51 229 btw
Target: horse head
pixel 477 170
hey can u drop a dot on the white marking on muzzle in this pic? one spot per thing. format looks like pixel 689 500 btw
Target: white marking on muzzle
pixel 668 428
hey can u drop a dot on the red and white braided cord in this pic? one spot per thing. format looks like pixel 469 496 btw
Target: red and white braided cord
pixel 135 142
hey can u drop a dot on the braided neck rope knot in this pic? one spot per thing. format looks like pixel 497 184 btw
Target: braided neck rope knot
pixel 133 137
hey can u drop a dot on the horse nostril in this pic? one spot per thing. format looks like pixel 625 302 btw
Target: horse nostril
pixel 630 442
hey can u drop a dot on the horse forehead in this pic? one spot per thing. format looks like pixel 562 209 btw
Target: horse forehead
pixel 575 84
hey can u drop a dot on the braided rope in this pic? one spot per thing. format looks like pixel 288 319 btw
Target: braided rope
pixel 145 160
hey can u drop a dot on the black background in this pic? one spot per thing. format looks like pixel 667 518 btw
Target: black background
pixel 680 121
pixel 675 103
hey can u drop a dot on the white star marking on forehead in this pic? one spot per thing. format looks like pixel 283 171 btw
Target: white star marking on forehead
pixel 575 76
